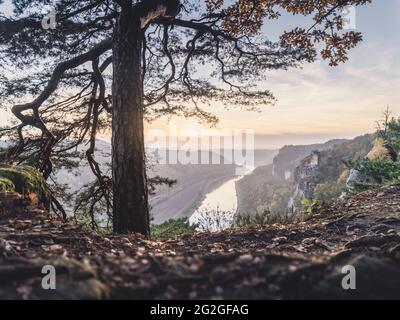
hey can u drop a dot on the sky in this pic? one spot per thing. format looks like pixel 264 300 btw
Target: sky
pixel 318 102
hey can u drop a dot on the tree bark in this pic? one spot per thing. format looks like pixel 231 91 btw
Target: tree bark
pixel 130 193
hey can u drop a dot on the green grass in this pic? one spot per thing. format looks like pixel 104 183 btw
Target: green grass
pixel 171 229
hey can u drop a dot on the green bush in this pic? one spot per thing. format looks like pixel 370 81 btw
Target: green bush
pixel 171 229
pixel 383 169
pixel 23 180
pixel 380 172
pixel 391 134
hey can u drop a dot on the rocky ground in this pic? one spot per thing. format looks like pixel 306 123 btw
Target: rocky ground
pixel 296 261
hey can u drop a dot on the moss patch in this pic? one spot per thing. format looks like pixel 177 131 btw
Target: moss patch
pixel 24 180
pixel 6 185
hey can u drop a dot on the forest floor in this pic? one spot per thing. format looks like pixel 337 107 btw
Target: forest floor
pixel 295 261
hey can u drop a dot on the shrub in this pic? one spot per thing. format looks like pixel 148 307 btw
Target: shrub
pixel 380 169
pixel 172 228
pixel 380 172
pixel 310 206
pixel 214 220
pixel 264 217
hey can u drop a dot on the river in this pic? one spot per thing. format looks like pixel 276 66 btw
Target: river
pixel 218 209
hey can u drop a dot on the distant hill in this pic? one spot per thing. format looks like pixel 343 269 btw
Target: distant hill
pixel 264 157
pixel 274 187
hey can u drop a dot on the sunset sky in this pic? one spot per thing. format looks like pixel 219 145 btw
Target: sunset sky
pixel 318 102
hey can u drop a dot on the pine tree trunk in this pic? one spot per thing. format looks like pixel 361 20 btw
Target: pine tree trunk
pixel 130 208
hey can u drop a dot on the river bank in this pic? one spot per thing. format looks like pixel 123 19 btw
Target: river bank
pixel 217 211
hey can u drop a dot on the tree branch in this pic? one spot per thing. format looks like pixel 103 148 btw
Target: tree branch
pixel 52 85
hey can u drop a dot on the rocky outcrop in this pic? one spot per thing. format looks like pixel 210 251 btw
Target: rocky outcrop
pixel 355 177
pixel 289 157
pixel 323 175
pixel 307 176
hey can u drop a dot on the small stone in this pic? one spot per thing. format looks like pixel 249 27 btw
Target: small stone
pixel 246 258
pixel 280 239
